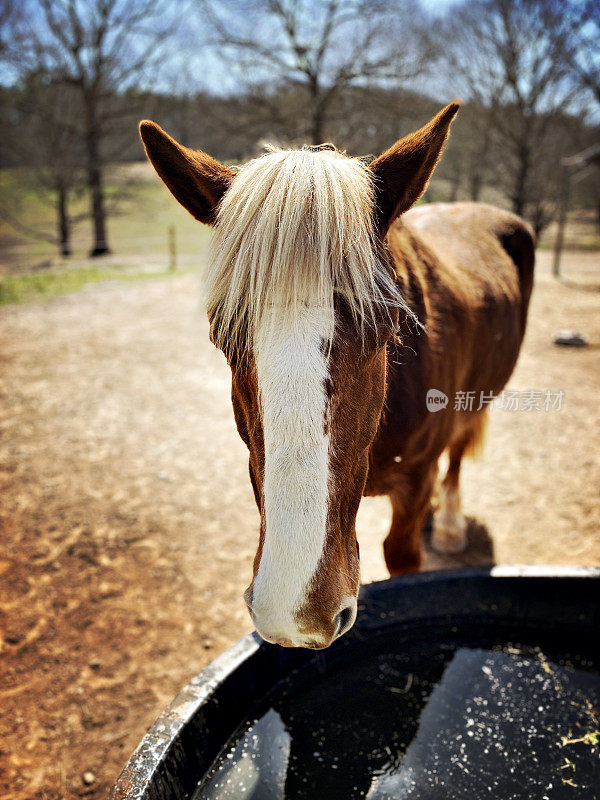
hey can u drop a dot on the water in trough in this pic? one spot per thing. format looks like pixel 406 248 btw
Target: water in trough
pixel 436 722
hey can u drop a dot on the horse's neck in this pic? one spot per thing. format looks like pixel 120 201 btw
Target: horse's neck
pixel 416 266
pixel 410 355
pixel 415 269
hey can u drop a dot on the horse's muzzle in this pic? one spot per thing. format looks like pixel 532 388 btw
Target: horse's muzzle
pixel 292 636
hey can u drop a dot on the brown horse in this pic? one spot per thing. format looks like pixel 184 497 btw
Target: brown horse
pixel 339 313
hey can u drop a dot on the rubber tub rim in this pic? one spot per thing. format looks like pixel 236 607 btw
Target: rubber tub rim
pixel 136 778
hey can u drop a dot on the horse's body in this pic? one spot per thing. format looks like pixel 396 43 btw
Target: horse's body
pixel 339 312
pixel 466 270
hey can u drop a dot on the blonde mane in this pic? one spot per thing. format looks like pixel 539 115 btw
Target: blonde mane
pixel 294 229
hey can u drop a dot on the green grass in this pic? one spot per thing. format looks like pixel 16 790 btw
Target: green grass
pixel 37 286
pixel 138 228
pixel 31 268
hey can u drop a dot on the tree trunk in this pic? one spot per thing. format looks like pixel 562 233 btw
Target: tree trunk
pixel 94 172
pixel 316 126
pixel 64 224
pixel 481 157
pixel 454 185
pixel 539 223
pixel 478 166
pixel 520 189
pixel 562 221
pixel 475 185
pixel 98 214
pixel 315 130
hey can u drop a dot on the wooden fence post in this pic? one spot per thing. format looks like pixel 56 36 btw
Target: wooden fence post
pixel 172 248
pixel 562 219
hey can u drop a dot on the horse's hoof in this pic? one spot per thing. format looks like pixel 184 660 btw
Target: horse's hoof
pixel 449 534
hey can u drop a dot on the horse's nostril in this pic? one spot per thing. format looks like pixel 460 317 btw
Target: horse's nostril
pixel 344 620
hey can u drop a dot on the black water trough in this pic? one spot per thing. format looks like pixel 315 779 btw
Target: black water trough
pixel 463 684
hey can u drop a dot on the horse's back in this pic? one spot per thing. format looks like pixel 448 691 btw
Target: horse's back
pixel 474 264
pixel 488 249
pixel 466 270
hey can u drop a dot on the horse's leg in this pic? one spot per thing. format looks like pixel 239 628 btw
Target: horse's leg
pixel 411 500
pixel 449 533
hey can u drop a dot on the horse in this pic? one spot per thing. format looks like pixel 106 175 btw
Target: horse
pixel 342 310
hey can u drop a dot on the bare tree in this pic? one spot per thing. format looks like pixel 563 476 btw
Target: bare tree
pixel 10 14
pixel 42 132
pixel 511 57
pixel 100 48
pixel 583 54
pixel 472 61
pixel 323 47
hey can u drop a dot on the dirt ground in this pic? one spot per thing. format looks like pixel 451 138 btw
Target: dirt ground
pixel 128 523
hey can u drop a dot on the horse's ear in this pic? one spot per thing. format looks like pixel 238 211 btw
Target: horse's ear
pixel 402 172
pixel 194 178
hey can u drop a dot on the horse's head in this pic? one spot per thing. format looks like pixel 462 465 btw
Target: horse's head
pixel 301 298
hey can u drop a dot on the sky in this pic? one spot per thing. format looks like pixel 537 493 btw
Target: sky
pixel 210 73
pixel 197 62
pixel 437 6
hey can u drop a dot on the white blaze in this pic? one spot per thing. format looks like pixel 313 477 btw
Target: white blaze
pixel 291 369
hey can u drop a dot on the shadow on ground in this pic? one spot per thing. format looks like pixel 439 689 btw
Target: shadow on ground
pixel 479 551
